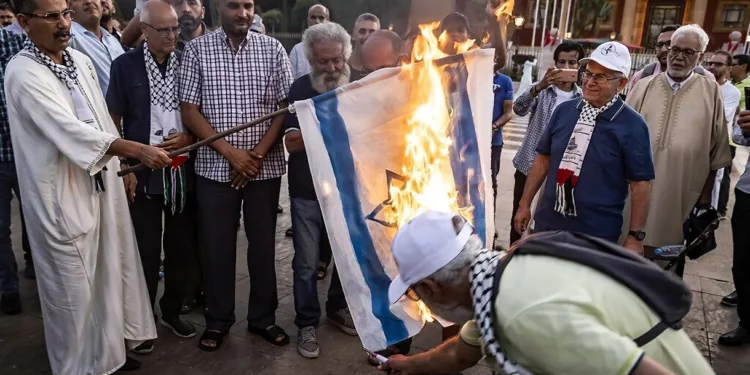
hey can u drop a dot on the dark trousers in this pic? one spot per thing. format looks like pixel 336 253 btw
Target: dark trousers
pixel 177 237
pixel 8 265
pixel 496 154
pixel 724 186
pixel 219 208
pixel 310 238
pixel 520 182
pixel 741 261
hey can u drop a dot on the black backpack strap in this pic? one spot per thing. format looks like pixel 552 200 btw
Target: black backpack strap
pixel 651 334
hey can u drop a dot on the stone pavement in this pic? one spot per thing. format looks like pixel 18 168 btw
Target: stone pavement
pixel 22 348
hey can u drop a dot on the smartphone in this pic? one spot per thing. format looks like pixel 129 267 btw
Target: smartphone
pixel 747 95
pixel 569 75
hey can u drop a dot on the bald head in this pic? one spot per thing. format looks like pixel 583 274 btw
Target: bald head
pixel 383 49
pixel 317 14
pixel 156 10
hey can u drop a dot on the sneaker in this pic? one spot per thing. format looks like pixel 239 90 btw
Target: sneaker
pixel 10 304
pixel 179 326
pixel 29 272
pixel 307 342
pixel 145 348
pixel 730 299
pixel 342 319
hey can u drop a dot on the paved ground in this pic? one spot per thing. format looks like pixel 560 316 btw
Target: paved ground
pixel 22 349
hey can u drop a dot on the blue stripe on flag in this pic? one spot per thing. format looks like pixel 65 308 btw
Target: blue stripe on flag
pixel 465 159
pixel 336 139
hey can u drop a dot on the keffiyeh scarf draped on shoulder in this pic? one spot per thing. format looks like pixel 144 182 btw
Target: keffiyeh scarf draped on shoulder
pixel 166 120
pixel 482 276
pixel 68 74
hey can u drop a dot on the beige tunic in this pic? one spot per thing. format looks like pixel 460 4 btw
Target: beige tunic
pixel 688 139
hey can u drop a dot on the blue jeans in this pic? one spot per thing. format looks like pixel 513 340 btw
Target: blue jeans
pixel 8 265
pixel 309 238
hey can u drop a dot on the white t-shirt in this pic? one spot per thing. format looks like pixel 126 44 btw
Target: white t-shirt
pixel 731 96
pixel 562 96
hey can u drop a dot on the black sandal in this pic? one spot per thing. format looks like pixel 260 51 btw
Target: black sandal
pixel 215 336
pixel 271 335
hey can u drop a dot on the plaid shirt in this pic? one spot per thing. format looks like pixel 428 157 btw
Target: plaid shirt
pixel 541 109
pixel 232 88
pixel 10 44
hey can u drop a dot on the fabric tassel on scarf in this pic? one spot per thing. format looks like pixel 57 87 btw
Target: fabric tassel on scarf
pixel 174 185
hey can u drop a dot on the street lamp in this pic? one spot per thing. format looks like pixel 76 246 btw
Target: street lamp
pixel 612 35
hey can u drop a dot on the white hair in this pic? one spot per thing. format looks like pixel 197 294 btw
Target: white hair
pixel 450 274
pixel 693 30
pixel 326 32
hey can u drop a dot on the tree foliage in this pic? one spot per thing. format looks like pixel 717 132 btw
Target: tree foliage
pixel 589 15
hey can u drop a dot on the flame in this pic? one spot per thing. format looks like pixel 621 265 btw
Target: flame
pixel 428 144
pixel 486 38
pixel 425 312
pixel 506 8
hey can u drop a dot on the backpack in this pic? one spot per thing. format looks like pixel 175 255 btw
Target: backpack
pixel 649 70
pixel 667 296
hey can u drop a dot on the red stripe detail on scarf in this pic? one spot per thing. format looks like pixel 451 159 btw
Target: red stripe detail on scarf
pixel 177 161
pixel 563 175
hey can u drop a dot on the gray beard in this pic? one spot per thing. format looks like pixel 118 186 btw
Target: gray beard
pixel 324 82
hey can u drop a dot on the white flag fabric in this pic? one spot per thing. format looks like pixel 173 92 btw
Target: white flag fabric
pixel 355 139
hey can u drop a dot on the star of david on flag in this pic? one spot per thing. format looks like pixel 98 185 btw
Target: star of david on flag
pixel 355 141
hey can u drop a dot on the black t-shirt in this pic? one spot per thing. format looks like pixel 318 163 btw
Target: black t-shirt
pixel 300 179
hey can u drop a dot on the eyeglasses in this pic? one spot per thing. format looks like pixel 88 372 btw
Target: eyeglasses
pixel 412 295
pixel 167 31
pixel 715 63
pixel 395 64
pixel 660 45
pixel 52 16
pixel 600 79
pixel 688 53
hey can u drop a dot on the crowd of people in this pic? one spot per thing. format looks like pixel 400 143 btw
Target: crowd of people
pixel 84 99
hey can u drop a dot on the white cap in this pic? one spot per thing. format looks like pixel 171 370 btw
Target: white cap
pixel 423 246
pixel 611 55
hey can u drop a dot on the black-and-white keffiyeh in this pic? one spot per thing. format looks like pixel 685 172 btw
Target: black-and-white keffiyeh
pixel 68 74
pixel 166 120
pixel 482 276
pixel 162 87
pixel 574 156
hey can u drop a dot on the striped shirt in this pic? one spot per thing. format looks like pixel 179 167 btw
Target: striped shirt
pixel 232 88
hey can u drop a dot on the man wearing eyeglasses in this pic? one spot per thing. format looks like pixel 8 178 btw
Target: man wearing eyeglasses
pixel 143 97
pixel 686 122
pixel 663 43
pixel 741 75
pixel 720 65
pixel 90 279
pixel 594 152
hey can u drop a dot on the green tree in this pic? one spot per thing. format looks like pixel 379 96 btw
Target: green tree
pixel 272 18
pixel 589 15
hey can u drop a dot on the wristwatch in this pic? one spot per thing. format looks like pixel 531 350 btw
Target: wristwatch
pixel 637 234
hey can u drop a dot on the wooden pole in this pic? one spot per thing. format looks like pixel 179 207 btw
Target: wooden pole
pixel 212 138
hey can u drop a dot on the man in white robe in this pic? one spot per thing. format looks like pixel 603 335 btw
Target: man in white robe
pixel 91 285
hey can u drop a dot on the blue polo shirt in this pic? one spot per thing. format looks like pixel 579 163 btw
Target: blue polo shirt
pixel 619 151
pixel 101 52
pixel 129 96
pixel 502 87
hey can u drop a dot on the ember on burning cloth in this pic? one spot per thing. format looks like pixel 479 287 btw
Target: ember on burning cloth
pixel 386 148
